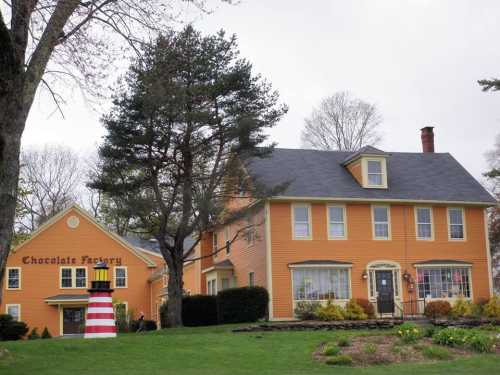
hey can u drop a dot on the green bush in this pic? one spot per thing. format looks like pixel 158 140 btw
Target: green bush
pixel 46 334
pixel 367 306
pixel 33 334
pixel 241 305
pixel 306 310
pixel 481 343
pixel 462 308
pixel 436 352
pixel 430 331
pixel 10 329
pixel 492 308
pixel 343 342
pixel 331 350
pixel 409 333
pixel 461 337
pixel 330 312
pixel 353 311
pixel 198 310
pixel 370 348
pixel 437 309
pixel 340 360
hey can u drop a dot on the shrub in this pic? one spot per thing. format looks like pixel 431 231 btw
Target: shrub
pixel 367 306
pixel 353 311
pixel 370 348
pixel 240 305
pixel 409 332
pixel 197 310
pixel 461 337
pixel 306 310
pixel 436 352
pixel 481 343
pixel 149 325
pixel 10 329
pixel 330 312
pixel 340 360
pixel 450 336
pixel 33 334
pixel 492 308
pixel 430 331
pixel 437 309
pixel 331 350
pixel 46 334
pixel 461 309
pixel 343 342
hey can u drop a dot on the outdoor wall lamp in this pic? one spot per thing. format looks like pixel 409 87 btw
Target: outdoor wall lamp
pixel 364 275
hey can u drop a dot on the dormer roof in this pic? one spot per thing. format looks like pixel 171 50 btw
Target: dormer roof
pixel 364 151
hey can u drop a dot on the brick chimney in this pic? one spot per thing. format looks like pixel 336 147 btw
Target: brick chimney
pixel 427 136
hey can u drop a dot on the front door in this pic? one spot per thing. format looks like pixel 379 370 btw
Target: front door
pixel 385 292
pixel 73 320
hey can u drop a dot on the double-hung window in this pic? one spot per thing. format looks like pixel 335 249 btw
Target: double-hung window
pixel 301 221
pixel 456 223
pixel 443 282
pixel 73 277
pixel 13 310
pixel 375 173
pixel 120 277
pixel 214 243
pixel 212 287
pixel 13 277
pixel 251 279
pixel 381 222
pixel 319 284
pixel 227 243
pixel 336 222
pixel 423 217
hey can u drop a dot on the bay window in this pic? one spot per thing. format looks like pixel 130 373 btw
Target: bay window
pixel 317 284
pixel 443 282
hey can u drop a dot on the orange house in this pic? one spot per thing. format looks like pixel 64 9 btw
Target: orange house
pixel 398 229
pixel 47 276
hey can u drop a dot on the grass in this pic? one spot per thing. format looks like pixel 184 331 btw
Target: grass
pixel 211 350
pixel 436 352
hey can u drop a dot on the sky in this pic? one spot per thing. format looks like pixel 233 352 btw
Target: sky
pixel 418 61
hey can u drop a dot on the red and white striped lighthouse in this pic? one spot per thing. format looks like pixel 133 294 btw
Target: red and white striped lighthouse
pixel 100 320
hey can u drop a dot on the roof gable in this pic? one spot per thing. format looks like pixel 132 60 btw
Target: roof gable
pixel 48 224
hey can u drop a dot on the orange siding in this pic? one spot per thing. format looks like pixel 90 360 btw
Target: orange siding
pixel 355 169
pixel 360 248
pixel 40 281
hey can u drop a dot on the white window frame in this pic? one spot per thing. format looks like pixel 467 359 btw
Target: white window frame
pixel 115 278
pixel 464 228
pixel 417 223
pixel 125 303
pixel 389 231
pixel 309 222
pixel 215 243
pixel 7 269
pixel 73 277
pixel 18 309
pixel 226 239
pixel 251 278
pixel 250 233
pixel 209 289
pixel 383 169
pixel 329 221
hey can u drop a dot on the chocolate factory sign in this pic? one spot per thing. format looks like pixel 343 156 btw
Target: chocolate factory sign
pixel 85 259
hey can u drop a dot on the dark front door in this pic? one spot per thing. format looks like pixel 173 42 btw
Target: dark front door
pixel 73 320
pixel 385 289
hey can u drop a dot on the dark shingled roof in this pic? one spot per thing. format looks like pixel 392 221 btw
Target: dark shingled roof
pixel 152 245
pixel 67 297
pixel 411 176
pixel 224 264
pixel 319 263
pixel 442 261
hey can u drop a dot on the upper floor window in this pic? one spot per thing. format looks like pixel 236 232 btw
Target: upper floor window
pixel 13 310
pixel 456 223
pixel 120 277
pixel 227 240
pixel 13 277
pixel 250 232
pixel 301 221
pixel 423 217
pixel 336 222
pixel 381 222
pixel 375 175
pixel 214 244
pixel 374 172
pixel 73 277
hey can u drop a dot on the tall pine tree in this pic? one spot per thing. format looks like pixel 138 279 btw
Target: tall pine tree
pixel 186 110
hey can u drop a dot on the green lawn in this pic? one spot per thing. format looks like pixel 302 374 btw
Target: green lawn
pixel 211 351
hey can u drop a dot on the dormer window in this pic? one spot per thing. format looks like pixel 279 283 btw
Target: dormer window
pixel 369 167
pixel 374 172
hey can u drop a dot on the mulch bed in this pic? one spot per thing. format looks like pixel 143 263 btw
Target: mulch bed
pixel 389 349
pixel 321 326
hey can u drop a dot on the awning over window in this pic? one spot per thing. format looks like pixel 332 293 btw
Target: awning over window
pixel 443 262
pixel 67 299
pixel 224 265
pixel 320 263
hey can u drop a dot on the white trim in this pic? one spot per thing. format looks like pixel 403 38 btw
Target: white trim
pixel 126 277
pixel 309 218
pixel 389 231
pixel 415 211
pixel 344 216
pixel 488 253
pixel 377 265
pixel 464 227
pixel 383 169
pixel 7 278
pixel 440 265
pixel 18 309
pixel 73 277
pixel 320 265
pixel 269 265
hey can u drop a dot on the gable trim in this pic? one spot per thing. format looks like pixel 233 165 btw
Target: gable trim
pixel 86 215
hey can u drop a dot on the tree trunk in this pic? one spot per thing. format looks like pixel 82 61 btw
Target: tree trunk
pixel 12 122
pixel 175 285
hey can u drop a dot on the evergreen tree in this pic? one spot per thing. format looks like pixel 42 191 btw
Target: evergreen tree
pixel 187 113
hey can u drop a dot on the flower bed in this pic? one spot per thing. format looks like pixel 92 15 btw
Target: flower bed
pixel 320 325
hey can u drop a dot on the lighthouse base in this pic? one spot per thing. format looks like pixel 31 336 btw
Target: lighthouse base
pixel 100 321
